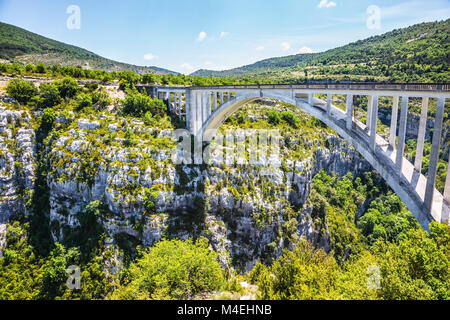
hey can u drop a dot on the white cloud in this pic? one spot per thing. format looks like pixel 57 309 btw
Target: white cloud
pixel 303 50
pixel 149 56
pixel 223 34
pixel 286 46
pixel 201 36
pixel 187 66
pixel 326 4
pixel 260 48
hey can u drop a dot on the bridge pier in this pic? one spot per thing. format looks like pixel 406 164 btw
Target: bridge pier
pixel 373 121
pixel 394 116
pixel 369 112
pixel 349 108
pixel 402 133
pixel 421 134
pixel 434 156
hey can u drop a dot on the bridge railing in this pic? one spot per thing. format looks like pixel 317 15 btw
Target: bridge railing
pixel 440 87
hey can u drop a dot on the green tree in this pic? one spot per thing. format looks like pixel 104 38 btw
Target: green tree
pixel 137 105
pixel 21 271
pixel 273 117
pixel 301 274
pixel 21 91
pixel 49 95
pixel 173 269
pixel 67 87
pixel 55 270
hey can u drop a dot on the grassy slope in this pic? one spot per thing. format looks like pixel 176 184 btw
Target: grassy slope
pixel 17 44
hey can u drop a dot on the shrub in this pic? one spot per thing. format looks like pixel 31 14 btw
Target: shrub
pixel 273 117
pixel 83 101
pixel 137 105
pixel 67 87
pixel 290 119
pixel 21 91
pixel 101 100
pixel 40 68
pixel 49 95
pixel 303 273
pixel 173 269
pixel 47 119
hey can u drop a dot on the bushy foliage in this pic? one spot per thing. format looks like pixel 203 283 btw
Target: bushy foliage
pixel 67 87
pixel 137 105
pixel 21 91
pixel 100 100
pixel 291 119
pixel 172 269
pixel 300 274
pixel 21 271
pixel 84 100
pixel 49 95
pixel 273 117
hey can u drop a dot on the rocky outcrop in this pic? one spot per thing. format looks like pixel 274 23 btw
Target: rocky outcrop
pixel 239 208
pixel 17 158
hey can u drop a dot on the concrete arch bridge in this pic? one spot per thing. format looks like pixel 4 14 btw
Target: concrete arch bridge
pixel 206 108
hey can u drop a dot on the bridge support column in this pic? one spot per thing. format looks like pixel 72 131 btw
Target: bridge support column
pixel 221 97
pixel 402 134
pixel 175 102
pixel 393 131
pixel 349 118
pixel 204 107
pixel 369 112
pixel 208 104
pixel 373 121
pixel 214 101
pixel 329 104
pixel 310 98
pixel 179 102
pixel 434 156
pixel 421 135
pixel 198 106
pixel 447 185
pixel 188 110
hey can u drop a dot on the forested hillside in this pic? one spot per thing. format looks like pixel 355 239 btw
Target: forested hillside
pixel 420 53
pixel 20 45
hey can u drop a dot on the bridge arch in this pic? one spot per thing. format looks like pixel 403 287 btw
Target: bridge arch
pixel 335 118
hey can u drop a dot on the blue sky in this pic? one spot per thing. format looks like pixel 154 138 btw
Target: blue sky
pixel 214 34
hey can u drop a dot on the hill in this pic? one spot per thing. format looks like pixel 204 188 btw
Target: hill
pixel 417 53
pixel 17 44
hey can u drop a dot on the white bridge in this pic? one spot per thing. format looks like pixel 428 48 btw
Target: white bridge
pixel 205 108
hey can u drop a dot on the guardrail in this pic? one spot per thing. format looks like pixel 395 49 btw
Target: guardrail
pixel 442 87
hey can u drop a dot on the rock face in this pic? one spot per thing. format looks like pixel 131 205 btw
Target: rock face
pixel 17 158
pixel 241 209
